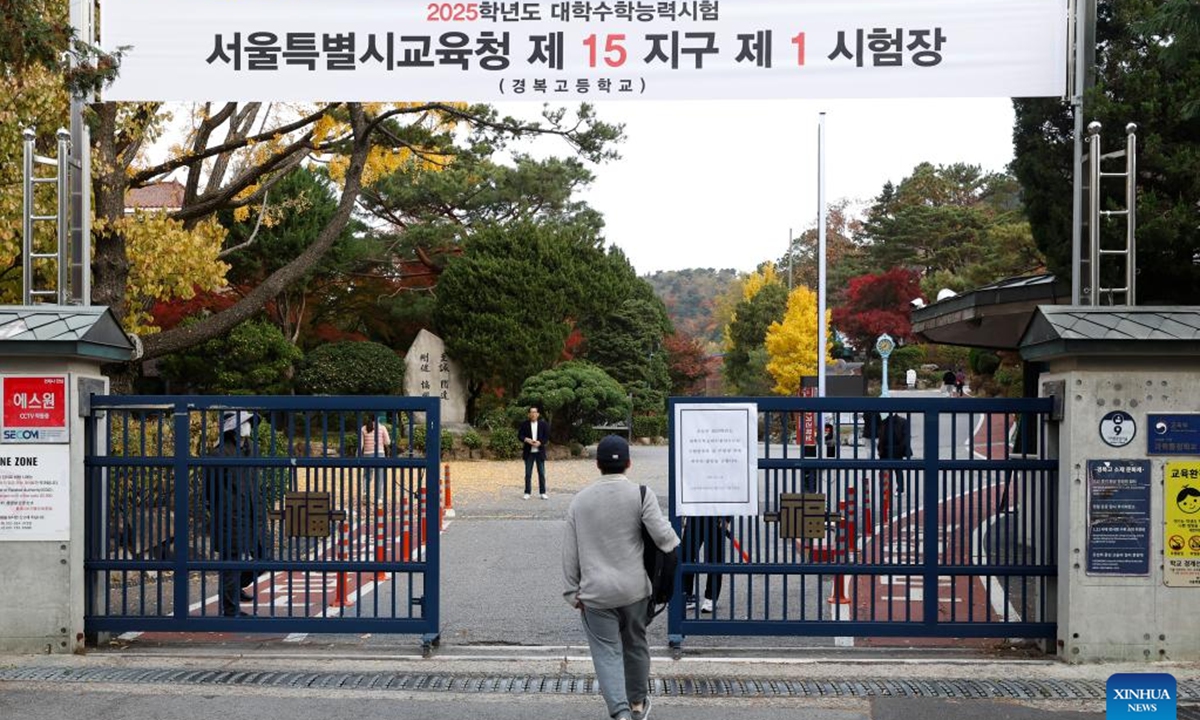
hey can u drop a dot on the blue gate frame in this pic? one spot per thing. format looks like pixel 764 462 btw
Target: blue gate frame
pixel 157 549
pixel 982 564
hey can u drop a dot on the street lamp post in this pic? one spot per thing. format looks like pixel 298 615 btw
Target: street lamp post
pixel 884 346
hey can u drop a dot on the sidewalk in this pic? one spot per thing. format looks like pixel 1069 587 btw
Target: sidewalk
pixel 506 682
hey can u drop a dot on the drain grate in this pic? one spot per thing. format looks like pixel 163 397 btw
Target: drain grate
pixel 569 684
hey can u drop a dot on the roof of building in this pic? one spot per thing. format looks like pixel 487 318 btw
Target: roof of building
pixel 1056 331
pixel 63 331
pixel 156 196
pixel 993 316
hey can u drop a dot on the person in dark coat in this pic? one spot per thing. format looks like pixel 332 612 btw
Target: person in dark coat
pixel 233 504
pixel 894 442
pixel 534 435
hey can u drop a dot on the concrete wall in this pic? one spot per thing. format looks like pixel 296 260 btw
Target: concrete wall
pixel 1106 617
pixel 41 583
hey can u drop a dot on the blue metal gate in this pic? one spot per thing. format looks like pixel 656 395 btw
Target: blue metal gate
pixel 957 539
pixel 283 524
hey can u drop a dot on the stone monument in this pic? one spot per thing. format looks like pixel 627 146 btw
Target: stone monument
pixel 429 372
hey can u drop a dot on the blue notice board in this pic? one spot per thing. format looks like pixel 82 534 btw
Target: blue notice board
pixel 1177 434
pixel 1118 509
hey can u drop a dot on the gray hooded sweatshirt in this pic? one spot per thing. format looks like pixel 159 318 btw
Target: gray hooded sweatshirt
pixel 602 544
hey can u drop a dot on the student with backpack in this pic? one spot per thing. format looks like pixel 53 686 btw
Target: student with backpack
pixel 604 570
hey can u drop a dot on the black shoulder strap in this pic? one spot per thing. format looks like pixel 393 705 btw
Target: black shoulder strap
pixel 642 491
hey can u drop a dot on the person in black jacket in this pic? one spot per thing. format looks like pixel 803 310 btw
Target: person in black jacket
pixel 233 504
pixel 894 442
pixel 534 435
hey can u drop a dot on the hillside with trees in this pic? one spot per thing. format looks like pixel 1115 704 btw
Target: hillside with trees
pixel 690 297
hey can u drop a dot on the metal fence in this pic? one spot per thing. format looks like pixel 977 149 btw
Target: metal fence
pixel 957 539
pixel 288 522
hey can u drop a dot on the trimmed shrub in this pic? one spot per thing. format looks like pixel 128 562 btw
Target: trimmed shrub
pixel 650 426
pixel 504 444
pixel 447 441
pixel 983 362
pixel 472 440
pixel 351 368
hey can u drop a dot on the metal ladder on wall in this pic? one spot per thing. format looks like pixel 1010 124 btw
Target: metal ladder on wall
pixel 30 253
pixel 1096 292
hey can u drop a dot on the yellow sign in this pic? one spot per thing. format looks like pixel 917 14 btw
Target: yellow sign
pixel 1181 533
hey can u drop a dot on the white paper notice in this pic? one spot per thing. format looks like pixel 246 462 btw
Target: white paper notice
pixel 716 459
pixel 34 492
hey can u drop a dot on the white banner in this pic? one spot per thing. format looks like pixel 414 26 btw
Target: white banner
pixel 321 50
pixel 716 459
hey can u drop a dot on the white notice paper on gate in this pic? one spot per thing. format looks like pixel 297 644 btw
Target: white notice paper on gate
pixel 35 492
pixel 716 454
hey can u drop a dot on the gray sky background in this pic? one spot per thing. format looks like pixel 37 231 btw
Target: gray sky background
pixel 718 184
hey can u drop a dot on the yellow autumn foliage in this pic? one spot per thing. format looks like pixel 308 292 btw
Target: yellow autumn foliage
pixel 168 261
pixel 756 281
pixel 792 344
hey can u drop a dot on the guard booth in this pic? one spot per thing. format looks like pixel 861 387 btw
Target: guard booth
pixel 50 358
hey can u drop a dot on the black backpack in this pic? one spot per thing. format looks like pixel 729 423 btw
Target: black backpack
pixel 660 568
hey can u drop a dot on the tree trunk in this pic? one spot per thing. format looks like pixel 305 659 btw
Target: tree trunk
pixel 110 263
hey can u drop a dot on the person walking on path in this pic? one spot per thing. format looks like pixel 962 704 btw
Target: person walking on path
pixel 373 441
pixel 534 435
pixel 948 380
pixel 960 379
pixel 605 578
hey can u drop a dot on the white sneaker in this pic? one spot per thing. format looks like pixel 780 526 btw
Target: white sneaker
pixel 545 496
pixel 526 496
pixel 706 606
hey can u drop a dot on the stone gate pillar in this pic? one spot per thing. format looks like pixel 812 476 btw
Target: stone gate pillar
pixel 1128 380
pixel 50 360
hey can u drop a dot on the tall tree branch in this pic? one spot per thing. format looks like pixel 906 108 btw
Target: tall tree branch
pixel 183 337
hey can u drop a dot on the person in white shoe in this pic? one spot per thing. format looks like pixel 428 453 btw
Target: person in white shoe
pixel 534 435
pixel 606 579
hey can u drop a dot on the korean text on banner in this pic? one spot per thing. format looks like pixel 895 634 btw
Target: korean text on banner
pixel 716 459
pixel 364 50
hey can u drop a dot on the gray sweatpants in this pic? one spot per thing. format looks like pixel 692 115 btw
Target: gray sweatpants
pixel 617 637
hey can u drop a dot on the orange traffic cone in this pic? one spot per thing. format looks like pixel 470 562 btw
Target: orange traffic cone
pixel 341 595
pixel 448 501
pixel 837 594
pixel 380 542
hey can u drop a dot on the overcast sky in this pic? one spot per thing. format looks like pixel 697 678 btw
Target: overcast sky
pixel 718 184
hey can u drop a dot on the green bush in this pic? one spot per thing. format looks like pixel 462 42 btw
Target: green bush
pixel 447 441
pixel 493 418
pixel 904 358
pixel 472 440
pixel 575 448
pixel 1009 381
pixel 253 358
pixel 983 362
pixel 418 438
pixel 584 435
pixel 650 426
pixel 351 368
pixel 504 444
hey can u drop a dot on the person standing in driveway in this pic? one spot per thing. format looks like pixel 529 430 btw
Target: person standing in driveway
pixel 606 579
pixel 534 435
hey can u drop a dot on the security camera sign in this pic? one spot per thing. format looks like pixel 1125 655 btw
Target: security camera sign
pixel 34 409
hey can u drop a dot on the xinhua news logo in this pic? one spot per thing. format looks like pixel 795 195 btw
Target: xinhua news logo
pixel 1146 696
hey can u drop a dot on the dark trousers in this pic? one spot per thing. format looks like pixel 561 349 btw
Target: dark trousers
pixel 703 533
pixel 540 460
